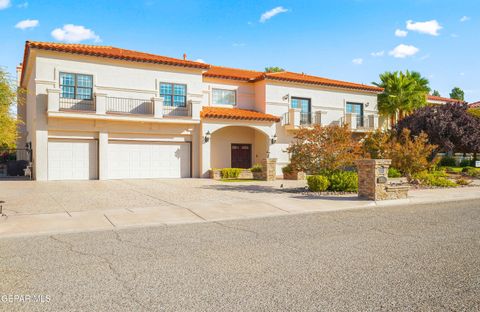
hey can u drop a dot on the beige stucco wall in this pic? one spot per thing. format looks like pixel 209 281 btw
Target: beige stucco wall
pixel 245 92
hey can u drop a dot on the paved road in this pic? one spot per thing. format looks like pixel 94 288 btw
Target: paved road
pixel 398 258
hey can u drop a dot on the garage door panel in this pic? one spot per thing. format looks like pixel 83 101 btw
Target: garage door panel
pixel 72 160
pixel 136 160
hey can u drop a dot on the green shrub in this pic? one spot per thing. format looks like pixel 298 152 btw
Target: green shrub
pixel 343 181
pixel 256 168
pixel 448 161
pixel 317 183
pixel 465 163
pixel 434 179
pixel 393 173
pixel 287 169
pixel 471 172
pixel 230 173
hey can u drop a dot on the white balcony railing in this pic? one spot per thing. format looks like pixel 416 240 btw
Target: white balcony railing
pixel 295 119
pixel 360 122
pixel 77 105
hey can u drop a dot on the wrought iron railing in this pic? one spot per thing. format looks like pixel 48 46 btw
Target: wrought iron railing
pixel 129 106
pixel 306 119
pixel 177 111
pixel 76 104
pixel 361 122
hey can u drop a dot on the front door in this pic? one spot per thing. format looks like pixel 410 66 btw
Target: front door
pixel 241 156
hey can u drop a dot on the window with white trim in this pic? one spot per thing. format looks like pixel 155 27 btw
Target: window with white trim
pixel 76 86
pixel 224 97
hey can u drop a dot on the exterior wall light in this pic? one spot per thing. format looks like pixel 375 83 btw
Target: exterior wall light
pixel 273 140
pixel 206 138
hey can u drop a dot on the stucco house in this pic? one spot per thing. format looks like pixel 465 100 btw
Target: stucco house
pixel 98 112
pixel 440 100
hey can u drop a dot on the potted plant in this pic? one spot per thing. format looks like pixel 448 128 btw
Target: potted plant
pixel 290 173
pixel 257 172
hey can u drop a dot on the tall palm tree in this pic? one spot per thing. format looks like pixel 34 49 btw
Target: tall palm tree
pixel 403 93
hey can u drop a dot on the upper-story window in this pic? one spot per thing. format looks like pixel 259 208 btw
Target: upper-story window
pixel 76 86
pixel 357 109
pixel 224 97
pixel 173 94
pixel 305 109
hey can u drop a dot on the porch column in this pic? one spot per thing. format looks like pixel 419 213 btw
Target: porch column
pixel 205 148
pixel 196 107
pixel 53 104
pixel 40 153
pixel 103 155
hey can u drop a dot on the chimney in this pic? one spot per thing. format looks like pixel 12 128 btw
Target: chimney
pixel 184 56
pixel 19 73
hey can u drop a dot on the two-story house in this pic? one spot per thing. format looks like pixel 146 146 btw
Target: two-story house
pixel 96 112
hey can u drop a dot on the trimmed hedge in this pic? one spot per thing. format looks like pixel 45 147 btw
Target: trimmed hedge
pixel 317 183
pixel 343 181
pixel 230 173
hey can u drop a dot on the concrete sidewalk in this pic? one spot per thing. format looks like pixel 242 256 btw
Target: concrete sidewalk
pixel 209 210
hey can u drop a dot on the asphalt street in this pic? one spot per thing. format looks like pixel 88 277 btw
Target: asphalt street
pixel 406 258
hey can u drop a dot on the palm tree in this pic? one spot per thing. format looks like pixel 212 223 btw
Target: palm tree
pixel 402 93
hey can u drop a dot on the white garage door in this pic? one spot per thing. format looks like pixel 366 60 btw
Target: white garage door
pixel 72 160
pixel 139 160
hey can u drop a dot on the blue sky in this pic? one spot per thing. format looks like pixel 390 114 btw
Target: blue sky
pixel 351 40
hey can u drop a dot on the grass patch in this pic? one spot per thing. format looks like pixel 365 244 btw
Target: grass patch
pixel 453 169
pixel 238 180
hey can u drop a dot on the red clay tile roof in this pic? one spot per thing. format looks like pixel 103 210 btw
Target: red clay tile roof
pixel 302 78
pixel 109 52
pixel 233 73
pixel 443 99
pixel 235 113
pixel 474 104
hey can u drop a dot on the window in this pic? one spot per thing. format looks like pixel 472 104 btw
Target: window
pixel 173 94
pixel 357 109
pixel 305 109
pixel 224 97
pixel 76 86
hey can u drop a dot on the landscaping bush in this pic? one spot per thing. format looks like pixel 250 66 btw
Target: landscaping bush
pixel 434 179
pixel 465 163
pixel 230 173
pixel 317 183
pixel 447 161
pixel 471 172
pixel 463 181
pixel 393 173
pixel 288 169
pixel 256 168
pixel 343 181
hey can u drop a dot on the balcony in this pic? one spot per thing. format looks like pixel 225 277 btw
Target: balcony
pixel 359 123
pixel 101 104
pixel 295 119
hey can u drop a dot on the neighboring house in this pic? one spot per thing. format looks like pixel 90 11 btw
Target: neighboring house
pixel 438 100
pixel 474 105
pixel 98 112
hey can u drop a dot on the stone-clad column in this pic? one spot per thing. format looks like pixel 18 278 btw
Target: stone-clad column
pixel 373 178
pixel 269 171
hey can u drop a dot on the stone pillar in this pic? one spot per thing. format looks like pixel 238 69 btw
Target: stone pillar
pixel 53 104
pixel 373 178
pixel 269 171
pixel 101 103
pixel 157 107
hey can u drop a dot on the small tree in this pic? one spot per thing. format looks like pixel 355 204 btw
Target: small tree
pixel 457 94
pixel 274 69
pixel 436 93
pixel 377 144
pixel 326 148
pixel 410 154
pixel 8 122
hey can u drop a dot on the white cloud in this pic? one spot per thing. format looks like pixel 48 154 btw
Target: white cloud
pixel 5 4
pixel 401 33
pixel 25 24
pixel 23 5
pixel 74 33
pixel 269 14
pixel 357 61
pixel 429 27
pixel 403 51
pixel 464 18
pixel 378 53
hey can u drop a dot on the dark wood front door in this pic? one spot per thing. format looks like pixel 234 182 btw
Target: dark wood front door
pixel 241 155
